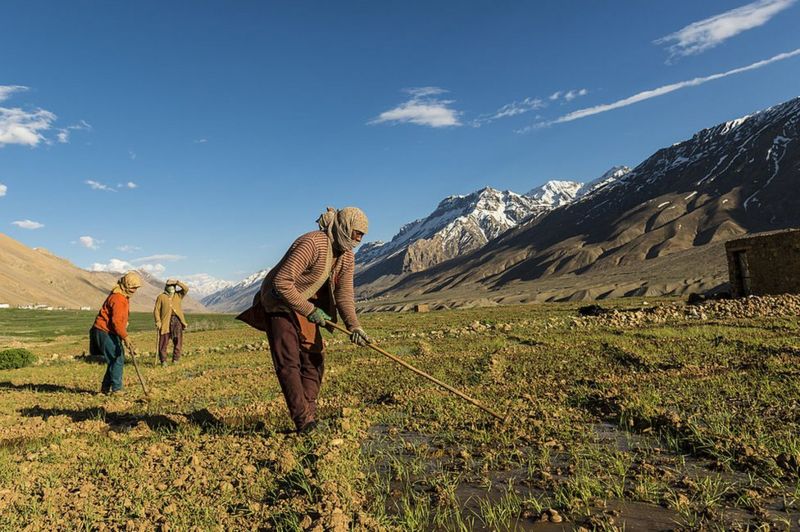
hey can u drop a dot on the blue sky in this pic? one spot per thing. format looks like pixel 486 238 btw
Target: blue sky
pixel 203 137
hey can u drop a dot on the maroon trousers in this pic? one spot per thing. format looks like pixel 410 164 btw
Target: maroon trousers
pixel 176 335
pixel 299 370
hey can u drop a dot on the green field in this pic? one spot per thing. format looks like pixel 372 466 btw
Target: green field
pixel 40 325
pixel 689 424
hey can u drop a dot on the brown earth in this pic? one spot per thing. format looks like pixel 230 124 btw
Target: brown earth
pixel 36 276
pixel 697 270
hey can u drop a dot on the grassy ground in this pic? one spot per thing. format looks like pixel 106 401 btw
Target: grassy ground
pixel 39 325
pixel 685 425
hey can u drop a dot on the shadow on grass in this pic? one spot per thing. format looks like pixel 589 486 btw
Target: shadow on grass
pixel 114 419
pixel 45 388
pixel 120 421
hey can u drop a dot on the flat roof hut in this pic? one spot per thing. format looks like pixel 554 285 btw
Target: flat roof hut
pixel 765 263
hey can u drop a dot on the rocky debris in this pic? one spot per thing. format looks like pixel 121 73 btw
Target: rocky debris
pixel 743 308
pixel 473 329
pixel 551 515
pixel 254 346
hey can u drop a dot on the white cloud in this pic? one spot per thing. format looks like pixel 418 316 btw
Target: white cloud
pixel 200 141
pixel 96 185
pixel 571 95
pixel 89 242
pixel 568 95
pixel 660 91
pixel 122 266
pixel 708 33
pixel 423 109
pixel 132 155
pixel 511 109
pixel 18 126
pixel 28 224
pixel 164 257
pixel 27 126
pixel 63 134
pixel 131 184
pixel 3 190
pixel 128 248
pixel 7 90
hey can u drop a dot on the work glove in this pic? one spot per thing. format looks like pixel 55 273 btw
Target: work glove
pixel 128 345
pixel 359 337
pixel 318 316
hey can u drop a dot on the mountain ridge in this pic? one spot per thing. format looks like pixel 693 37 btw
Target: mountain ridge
pixel 697 192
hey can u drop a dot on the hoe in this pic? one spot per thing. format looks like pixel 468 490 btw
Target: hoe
pixel 138 373
pixel 421 373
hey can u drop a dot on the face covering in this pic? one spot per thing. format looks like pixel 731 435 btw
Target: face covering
pixel 171 289
pixel 128 284
pixel 340 226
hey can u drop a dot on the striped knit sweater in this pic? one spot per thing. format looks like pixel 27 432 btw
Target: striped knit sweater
pixel 303 266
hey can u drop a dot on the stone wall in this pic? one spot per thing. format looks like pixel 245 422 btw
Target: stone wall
pixel 765 263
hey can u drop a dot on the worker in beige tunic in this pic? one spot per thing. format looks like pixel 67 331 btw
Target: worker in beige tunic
pixel 170 321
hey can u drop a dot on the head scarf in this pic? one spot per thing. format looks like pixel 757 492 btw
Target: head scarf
pixel 170 282
pixel 127 283
pixel 339 225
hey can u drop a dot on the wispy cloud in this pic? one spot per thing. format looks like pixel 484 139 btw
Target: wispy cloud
pixel 200 141
pixel 163 257
pixel 708 33
pixel 27 127
pixel 121 266
pixel 28 224
pixel 96 185
pixel 63 134
pixel 18 126
pixel 89 242
pixel 128 248
pixel 3 190
pixel 571 95
pixel 7 90
pixel 511 109
pixel 129 185
pixel 132 155
pixel 568 95
pixel 424 108
pixel 660 91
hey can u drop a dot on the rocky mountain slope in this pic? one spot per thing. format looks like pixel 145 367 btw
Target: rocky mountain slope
pixel 737 177
pixel 237 297
pixel 458 225
pixel 35 276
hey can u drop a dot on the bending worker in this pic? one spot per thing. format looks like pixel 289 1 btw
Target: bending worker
pixel 110 331
pixel 170 321
pixel 311 282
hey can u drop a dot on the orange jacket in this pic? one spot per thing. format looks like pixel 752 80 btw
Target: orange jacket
pixel 113 315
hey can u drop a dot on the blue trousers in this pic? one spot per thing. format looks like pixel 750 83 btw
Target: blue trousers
pixel 108 346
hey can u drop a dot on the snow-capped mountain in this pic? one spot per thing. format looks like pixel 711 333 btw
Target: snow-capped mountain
pixel 236 297
pixel 656 229
pixel 203 285
pixel 458 225
pixel 614 174
pixel 555 193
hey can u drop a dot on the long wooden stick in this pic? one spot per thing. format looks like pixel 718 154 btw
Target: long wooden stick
pixel 138 373
pixel 421 373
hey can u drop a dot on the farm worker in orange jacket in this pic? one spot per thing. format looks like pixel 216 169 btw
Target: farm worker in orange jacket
pixel 110 331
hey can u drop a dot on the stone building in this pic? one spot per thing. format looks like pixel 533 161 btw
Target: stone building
pixel 765 263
